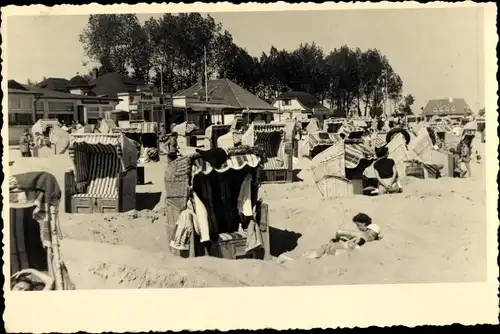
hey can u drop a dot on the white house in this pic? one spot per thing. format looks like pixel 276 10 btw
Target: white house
pixel 297 105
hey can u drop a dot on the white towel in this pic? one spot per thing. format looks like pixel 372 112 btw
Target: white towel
pixel 201 218
pixel 244 197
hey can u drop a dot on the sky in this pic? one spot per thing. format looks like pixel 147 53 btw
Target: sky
pixel 438 53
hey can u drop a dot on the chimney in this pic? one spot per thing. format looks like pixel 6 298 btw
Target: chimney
pixel 95 73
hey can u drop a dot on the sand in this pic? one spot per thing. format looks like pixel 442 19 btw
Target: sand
pixel 435 231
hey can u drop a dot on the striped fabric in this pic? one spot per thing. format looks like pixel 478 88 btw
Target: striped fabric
pixel 103 177
pixel 330 162
pixel 379 139
pixel 320 138
pixel 398 152
pixel 232 236
pixel 270 142
pixel 354 153
pixel 235 162
pixel 335 137
pixel 185 128
pixel 42 124
pixel 237 138
pixel 431 169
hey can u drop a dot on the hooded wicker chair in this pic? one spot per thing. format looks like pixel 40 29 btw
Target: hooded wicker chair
pixel 213 132
pixel 105 174
pixel 279 153
pixel 146 134
pixel 218 189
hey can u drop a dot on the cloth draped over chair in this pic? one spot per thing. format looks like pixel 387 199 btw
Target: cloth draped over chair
pixel 43 124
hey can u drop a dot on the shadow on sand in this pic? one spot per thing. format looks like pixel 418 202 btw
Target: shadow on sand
pixel 147 201
pixel 282 241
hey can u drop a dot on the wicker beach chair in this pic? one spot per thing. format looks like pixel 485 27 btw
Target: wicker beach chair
pixel 50 129
pixel 34 227
pixel 292 127
pixel 213 132
pixel 279 153
pixel 318 142
pixel 333 125
pixel 218 189
pixel 146 134
pixel 104 175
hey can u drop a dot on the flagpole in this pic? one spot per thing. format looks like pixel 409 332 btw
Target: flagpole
pixel 206 74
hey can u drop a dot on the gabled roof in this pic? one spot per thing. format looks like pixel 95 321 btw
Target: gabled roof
pixel 57 84
pixel 77 82
pixel 13 84
pixel 110 84
pixel 226 91
pixel 447 106
pixel 17 88
pixel 306 100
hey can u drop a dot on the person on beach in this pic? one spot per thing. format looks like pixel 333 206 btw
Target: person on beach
pixel 458 171
pixel 345 240
pixel 22 283
pixel 465 151
pixel 386 172
pixel 172 147
pixel 25 144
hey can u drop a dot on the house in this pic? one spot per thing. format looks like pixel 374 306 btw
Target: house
pixel 27 104
pixel 298 105
pixel 452 107
pixel 136 97
pixel 57 84
pixel 222 99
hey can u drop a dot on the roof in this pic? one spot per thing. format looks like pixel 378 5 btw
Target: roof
pixel 306 100
pixel 226 91
pixel 447 106
pixel 58 84
pixel 111 84
pixel 52 94
pixel 78 81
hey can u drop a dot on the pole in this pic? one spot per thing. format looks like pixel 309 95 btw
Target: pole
pixel 206 74
pixel 386 92
pixel 161 80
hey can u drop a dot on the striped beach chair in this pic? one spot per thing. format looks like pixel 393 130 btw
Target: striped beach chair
pixel 319 141
pixel 213 132
pixel 104 175
pixel 279 154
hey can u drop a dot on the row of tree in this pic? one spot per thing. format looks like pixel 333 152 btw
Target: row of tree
pixel 174 46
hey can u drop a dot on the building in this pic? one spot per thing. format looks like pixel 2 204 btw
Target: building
pixel 298 105
pixel 221 100
pixel 27 104
pixel 451 107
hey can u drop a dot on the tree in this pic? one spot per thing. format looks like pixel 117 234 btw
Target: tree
pixel 107 39
pixel 32 82
pixel 405 107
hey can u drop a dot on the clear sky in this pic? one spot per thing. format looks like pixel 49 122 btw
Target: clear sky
pixel 437 52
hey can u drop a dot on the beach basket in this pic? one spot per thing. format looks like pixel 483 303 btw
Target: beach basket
pixel 213 132
pixel 329 162
pixel 335 186
pixel 415 170
pixel 279 154
pixel 105 174
pixel 191 173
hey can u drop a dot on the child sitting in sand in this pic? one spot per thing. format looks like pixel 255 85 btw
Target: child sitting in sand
pixel 344 240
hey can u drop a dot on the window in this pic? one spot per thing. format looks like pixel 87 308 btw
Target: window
pixel 20 102
pixel 61 106
pixel 20 119
pixel 287 102
pixel 39 105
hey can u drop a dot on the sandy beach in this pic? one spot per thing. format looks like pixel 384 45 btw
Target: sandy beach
pixel 435 231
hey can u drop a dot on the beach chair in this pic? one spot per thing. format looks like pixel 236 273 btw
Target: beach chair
pixel 104 175
pixel 34 227
pixel 318 142
pixel 218 190
pixel 279 153
pixel 213 132
pixel 50 129
pixel 146 134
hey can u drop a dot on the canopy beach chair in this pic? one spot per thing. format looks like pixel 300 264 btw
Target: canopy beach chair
pixel 213 132
pixel 146 134
pixel 51 130
pixel 34 229
pixel 279 153
pixel 318 142
pixel 333 125
pixel 214 195
pixel 104 175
